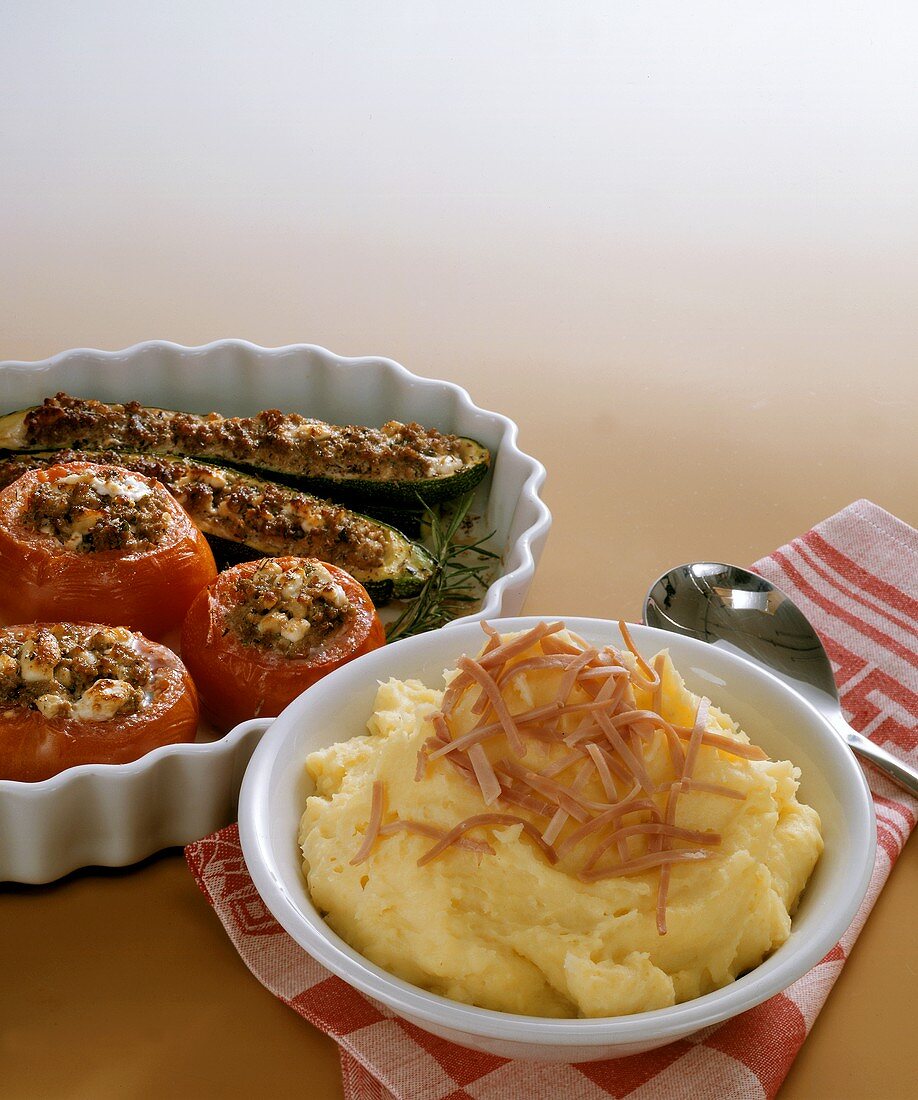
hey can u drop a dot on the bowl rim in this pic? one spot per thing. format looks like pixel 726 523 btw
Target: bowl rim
pixel 407 999
pixel 508 431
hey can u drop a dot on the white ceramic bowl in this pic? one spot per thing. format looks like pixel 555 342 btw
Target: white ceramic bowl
pixel 275 788
pixel 116 815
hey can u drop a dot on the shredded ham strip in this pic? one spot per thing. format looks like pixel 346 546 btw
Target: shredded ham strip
pixel 554 827
pixel 535 664
pixel 656 702
pixel 513 648
pixel 420 768
pixel 583 748
pixel 369 837
pixel 713 788
pixel 484 773
pixel 552 644
pixel 661 829
pixel 524 801
pixel 628 758
pixel 628 805
pixel 626 717
pixel 441 729
pixel 663 887
pixel 480 675
pixel 727 744
pixel 645 863
pixel 651 718
pixel 478 820
pixel 653 678
pixel 481 704
pixel 561 816
pixel 688 766
pixel 550 789
pixel 603 672
pixel 455 689
pixel 492 729
pixel 409 825
pixel 701 720
pixel 602 766
pixel 572 672
pixel 562 764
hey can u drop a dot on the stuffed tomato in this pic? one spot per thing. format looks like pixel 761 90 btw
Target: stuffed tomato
pixel 266 630
pixel 87 693
pixel 83 541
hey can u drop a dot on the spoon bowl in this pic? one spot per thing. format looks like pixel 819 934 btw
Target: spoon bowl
pixel 738 610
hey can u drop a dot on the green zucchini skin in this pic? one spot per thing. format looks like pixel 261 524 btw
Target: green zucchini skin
pixel 401 495
pixel 408 521
pixel 387 466
pixel 247 517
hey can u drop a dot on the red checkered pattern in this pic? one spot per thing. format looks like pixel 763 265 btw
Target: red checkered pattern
pixel 854 576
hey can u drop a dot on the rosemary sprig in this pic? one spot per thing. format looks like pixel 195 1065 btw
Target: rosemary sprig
pixel 460 576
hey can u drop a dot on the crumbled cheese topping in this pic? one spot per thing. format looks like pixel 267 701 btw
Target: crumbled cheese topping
pixel 203 475
pixel 104 699
pixel 75 672
pixel 120 485
pixel 306 429
pixel 289 605
pixel 288 443
pixel 268 516
pixel 105 508
pixel 443 465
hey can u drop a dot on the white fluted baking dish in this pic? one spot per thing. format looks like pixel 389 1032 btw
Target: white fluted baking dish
pixel 114 815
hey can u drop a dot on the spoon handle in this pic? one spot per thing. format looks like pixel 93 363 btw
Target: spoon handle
pixel 899 772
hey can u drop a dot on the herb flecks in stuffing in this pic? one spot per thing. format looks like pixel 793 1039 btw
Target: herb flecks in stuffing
pixel 291 610
pixel 274 517
pixel 308 447
pixel 68 673
pixel 104 509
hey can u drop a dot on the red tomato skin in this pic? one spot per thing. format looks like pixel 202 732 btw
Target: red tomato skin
pixel 33 748
pixel 237 682
pixel 147 591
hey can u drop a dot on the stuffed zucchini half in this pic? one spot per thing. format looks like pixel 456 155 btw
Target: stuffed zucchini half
pixel 395 465
pixel 245 517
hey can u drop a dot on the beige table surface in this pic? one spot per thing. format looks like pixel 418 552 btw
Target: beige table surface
pixel 677 243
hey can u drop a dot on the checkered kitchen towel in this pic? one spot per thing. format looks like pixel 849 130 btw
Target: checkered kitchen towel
pixel 856 577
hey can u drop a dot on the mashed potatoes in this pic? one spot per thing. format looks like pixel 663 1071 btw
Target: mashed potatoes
pixel 491 920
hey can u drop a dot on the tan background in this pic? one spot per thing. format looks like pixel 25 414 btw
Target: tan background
pixel 677 243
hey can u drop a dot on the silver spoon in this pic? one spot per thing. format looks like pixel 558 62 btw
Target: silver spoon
pixel 742 611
